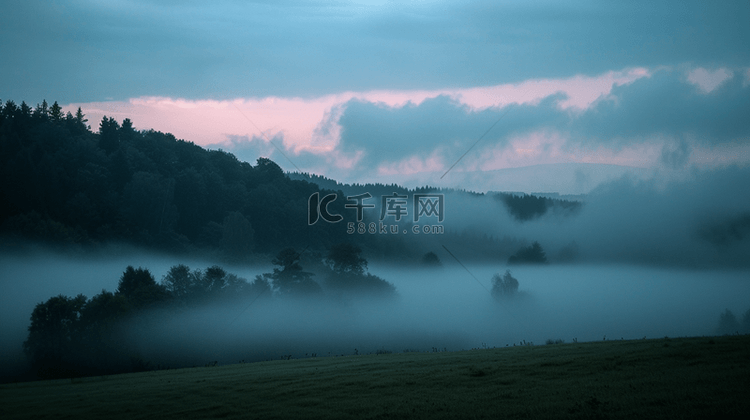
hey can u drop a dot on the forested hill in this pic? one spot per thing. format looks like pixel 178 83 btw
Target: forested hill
pixel 62 183
pixel 375 189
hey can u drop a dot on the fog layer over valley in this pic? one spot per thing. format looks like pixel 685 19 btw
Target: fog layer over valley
pixel 436 309
pixel 448 309
pixel 636 259
pixel 696 219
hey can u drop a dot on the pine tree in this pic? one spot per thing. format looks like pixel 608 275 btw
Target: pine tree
pixel 42 111
pixel 109 137
pixel 55 113
pixel 81 120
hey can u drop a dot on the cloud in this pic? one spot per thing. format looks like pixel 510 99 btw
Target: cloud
pixel 313 123
pixel 676 156
pixel 440 128
pixel 84 51
pixel 634 117
pixel 657 119
pixel 708 80
pixel 666 105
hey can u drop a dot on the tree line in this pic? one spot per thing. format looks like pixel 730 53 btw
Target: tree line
pixel 522 207
pixel 78 336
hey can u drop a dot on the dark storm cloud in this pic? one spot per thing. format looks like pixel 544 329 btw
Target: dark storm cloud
pixel 83 51
pixel 665 104
pixel 394 133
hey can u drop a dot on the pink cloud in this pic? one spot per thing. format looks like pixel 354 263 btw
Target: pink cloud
pixel 312 124
pixel 707 80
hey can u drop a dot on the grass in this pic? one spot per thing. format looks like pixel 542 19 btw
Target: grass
pixel 663 378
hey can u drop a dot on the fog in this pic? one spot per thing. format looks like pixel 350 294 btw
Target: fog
pixel 34 274
pixel 448 309
pixel 652 259
pixel 443 309
pixel 687 219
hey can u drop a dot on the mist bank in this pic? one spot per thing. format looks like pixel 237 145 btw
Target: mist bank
pixel 691 219
pixel 448 308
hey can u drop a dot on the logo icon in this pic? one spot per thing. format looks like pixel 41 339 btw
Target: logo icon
pixel 317 208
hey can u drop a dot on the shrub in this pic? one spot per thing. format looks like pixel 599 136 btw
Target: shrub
pixel 533 254
pixel 504 286
pixel 431 259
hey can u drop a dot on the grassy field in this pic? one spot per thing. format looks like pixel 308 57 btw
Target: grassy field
pixel 706 377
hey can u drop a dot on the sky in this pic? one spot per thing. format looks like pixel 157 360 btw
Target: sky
pixel 381 91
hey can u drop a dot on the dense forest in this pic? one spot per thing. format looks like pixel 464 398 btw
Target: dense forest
pixel 63 183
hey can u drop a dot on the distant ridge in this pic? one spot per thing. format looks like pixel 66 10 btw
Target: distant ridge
pixel 569 180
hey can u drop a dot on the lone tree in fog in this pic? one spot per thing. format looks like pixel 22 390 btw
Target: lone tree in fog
pixel 349 273
pixel 504 286
pixel 346 258
pixel 431 259
pixel 727 323
pixel 533 254
pixel 290 278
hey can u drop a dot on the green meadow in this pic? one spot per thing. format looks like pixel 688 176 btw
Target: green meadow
pixel 702 377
